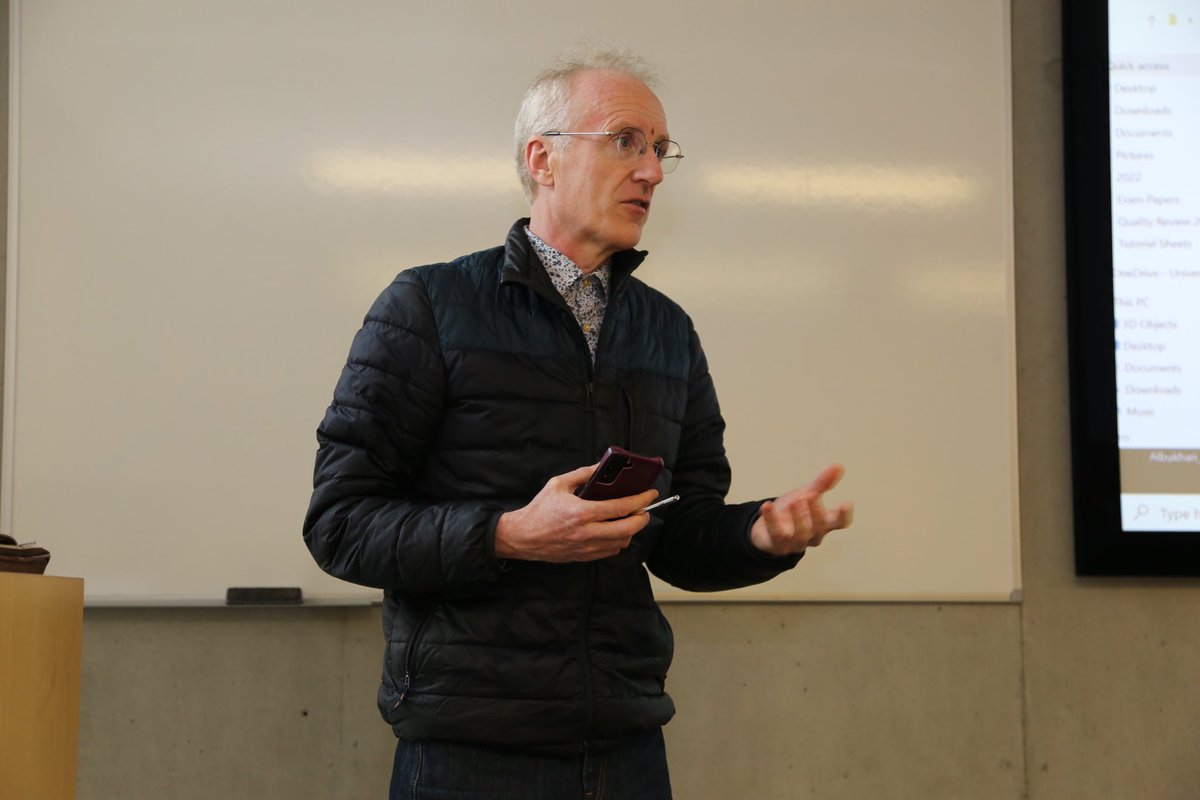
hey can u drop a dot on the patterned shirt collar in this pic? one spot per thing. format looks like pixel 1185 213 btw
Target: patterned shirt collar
pixel 563 272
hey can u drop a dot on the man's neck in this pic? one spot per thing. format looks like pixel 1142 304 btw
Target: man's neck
pixel 586 256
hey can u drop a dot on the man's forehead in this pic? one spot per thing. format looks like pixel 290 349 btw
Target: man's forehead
pixel 614 97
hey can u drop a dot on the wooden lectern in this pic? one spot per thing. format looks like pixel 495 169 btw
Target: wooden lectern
pixel 41 644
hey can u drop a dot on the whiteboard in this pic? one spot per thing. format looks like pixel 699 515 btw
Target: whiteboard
pixel 206 196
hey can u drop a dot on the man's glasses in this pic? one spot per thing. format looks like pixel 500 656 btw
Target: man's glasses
pixel 631 143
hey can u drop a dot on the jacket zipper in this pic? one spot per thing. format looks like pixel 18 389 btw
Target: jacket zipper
pixel 589 415
pixel 592 567
pixel 589 411
pixel 589 408
pixel 410 656
pixel 589 687
pixel 628 398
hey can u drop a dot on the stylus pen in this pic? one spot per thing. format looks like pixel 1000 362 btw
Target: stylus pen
pixel 666 501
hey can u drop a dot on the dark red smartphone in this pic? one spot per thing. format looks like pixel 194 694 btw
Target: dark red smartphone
pixel 620 474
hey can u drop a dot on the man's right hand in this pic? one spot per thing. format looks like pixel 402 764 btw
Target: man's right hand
pixel 558 526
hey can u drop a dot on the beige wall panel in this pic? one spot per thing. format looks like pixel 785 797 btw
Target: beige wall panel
pixel 1113 692
pixel 367 742
pixel 214 704
pixel 835 701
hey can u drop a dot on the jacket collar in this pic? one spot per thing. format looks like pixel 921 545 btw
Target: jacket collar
pixel 521 264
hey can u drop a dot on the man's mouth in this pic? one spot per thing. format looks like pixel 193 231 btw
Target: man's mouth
pixel 642 204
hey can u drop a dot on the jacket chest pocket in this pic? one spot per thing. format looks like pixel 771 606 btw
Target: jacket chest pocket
pixel 647 412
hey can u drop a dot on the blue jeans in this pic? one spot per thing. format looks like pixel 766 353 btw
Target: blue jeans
pixel 635 770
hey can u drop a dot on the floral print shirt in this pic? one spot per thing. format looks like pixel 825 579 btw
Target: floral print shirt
pixel 586 295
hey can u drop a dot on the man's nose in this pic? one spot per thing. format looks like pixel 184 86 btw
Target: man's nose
pixel 649 168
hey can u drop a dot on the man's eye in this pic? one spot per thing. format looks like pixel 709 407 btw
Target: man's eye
pixel 624 141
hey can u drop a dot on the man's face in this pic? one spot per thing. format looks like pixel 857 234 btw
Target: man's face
pixel 599 202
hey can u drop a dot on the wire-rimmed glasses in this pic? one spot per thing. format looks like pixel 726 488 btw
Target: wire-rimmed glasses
pixel 632 143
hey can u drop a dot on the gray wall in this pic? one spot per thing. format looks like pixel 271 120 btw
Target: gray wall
pixel 1085 690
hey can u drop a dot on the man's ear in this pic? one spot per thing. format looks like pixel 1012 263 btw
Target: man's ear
pixel 537 160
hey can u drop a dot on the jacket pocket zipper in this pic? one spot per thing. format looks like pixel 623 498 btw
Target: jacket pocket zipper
pixel 628 398
pixel 410 656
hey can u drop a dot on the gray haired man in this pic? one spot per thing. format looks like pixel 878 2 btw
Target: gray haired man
pixel 526 657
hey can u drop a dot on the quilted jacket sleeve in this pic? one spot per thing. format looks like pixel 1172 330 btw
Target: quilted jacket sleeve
pixel 364 525
pixel 705 545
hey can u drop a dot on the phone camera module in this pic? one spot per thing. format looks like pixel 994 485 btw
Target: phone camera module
pixel 612 469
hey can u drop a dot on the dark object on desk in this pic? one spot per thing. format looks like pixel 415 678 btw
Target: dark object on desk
pixel 22 557
pixel 263 596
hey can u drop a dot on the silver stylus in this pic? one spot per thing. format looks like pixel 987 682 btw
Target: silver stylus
pixel 666 501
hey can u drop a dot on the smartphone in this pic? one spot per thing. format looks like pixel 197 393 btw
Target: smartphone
pixel 620 474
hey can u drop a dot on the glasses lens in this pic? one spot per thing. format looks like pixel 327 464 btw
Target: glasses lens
pixel 668 153
pixel 630 143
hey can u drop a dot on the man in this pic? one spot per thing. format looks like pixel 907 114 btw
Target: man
pixel 525 655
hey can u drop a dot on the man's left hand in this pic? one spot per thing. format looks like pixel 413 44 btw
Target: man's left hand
pixel 799 519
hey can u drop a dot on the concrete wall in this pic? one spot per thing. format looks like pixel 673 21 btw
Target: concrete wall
pixel 1085 690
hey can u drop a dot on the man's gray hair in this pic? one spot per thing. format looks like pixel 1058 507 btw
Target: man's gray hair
pixel 546 105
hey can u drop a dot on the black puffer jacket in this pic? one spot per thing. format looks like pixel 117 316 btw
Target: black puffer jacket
pixel 468 386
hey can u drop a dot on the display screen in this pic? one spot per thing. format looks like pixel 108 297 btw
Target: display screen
pixel 1154 135
pixel 1131 133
